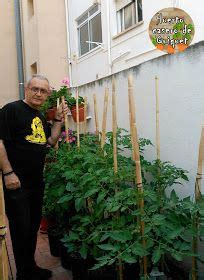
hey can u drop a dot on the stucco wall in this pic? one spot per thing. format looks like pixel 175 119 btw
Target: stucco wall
pixel 45 39
pixel 8 60
pixel 181 99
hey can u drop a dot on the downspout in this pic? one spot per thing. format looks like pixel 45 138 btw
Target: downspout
pixel 19 48
pixel 109 37
pixel 68 42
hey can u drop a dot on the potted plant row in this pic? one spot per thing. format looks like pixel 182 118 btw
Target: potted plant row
pixel 101 232
pixel 49 108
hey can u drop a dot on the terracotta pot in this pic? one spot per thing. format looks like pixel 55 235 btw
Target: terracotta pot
pixel 44 224
pixel 50 114
pixel 81 113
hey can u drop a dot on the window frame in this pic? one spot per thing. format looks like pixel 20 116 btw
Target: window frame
pixel 120 16
pixel 87 21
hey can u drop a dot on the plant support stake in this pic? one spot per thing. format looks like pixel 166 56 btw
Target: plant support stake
pixel 77 117
pixel 157 119
pixel 105 109
pixel 137 165
pixel 197 198
pixel 85 115
pixel 115 159
pixel 66 123
pixel 96 114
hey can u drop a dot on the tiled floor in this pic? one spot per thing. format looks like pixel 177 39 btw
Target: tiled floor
pixel 43 259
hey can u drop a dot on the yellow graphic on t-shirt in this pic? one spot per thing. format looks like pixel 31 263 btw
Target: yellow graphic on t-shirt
pixel 38 134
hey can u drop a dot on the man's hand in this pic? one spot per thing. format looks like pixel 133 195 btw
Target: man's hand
pixel 61 111
pixel 12 181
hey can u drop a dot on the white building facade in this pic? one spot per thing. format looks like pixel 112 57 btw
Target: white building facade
pixel 119 32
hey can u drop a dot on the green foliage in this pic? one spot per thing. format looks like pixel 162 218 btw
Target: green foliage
pixel 71 101
pixel 52 98
pixel 102 208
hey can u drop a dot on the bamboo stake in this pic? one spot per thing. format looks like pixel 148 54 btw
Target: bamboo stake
pixel 137 165
pixel 131 121
pixel 57 144
pixel 105 109
pixel 114 125
pixel 96 114
pixel 197 198
pixel 77 117
pixel 3 251
pixel 158 146
pixel 66 123
pixel 157 119
pixel 115 159
pixel 85 115
pixel 58 103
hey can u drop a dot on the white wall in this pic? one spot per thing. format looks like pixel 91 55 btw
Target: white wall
pixel 181 101
pixel 135 41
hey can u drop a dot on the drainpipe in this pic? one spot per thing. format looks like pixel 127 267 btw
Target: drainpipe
pixel 109 37
pixel 68 42
pixel 19 48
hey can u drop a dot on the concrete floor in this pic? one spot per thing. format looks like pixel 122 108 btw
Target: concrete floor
pixel 43 259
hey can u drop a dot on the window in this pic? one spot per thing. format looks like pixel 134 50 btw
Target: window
pixel 30 8
pixel 129 12
pixel 33 69
pixel 89 30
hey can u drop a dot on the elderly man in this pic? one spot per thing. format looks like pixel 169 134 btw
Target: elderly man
pixel 24 134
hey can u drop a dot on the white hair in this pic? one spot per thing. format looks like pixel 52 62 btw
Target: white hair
pixel 37 76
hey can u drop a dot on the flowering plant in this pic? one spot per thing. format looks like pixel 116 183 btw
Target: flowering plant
pixel 72 137
pixel 55 94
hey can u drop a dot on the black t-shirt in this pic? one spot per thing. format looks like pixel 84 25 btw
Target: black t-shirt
pixel 24 132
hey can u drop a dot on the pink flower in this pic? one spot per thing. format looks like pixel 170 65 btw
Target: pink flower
pixel 65 81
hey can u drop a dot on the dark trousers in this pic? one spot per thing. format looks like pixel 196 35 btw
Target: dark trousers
pixel 24 209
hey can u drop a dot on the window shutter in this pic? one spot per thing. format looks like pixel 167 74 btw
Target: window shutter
pixel 122 3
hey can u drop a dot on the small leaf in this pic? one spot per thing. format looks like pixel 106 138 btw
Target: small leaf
pixel 107 247
pixel 122 236
pixel 83 251
pixel 79 202
pixel 90 193
pixel 65 198
pixel 156 255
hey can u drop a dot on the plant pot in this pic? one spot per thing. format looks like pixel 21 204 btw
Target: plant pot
pixel 81 113
pixel 54 242
pixel 44 224
pixel 131 271
pixel 79 267
pixel 104 273
pixel 51 113
pixel 65 257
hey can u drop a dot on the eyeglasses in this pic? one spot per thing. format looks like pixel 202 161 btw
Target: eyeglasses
pixel 35 90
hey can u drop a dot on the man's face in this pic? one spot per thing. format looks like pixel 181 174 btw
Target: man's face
pixel 37 92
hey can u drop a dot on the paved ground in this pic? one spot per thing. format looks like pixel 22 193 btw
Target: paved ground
pixel 43 258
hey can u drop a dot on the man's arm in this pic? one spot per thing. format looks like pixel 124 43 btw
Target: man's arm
pixel 55 133
pixel 11 180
